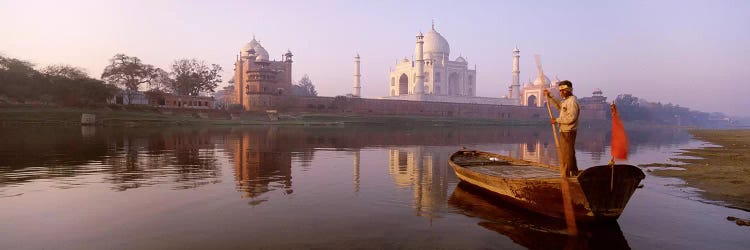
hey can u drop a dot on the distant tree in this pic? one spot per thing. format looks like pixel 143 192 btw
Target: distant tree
pixel 89 91
pixel 161 81
pixel 192 77
pixel 632 108
pixel 155 96
pixel 20 81
pixel 304 87
pixel 629 108
pixel 128 72
pixel 64 71
pixel 72 86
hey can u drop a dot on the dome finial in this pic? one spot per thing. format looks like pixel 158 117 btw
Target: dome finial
pixel 433 24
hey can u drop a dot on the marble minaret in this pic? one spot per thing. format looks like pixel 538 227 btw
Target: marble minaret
pixel 357 76
pixel 419 81
pixel 515 87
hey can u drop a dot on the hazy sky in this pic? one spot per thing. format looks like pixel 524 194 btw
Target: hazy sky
pixel 692 53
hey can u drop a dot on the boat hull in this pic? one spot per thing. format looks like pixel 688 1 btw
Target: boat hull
pixel 596 194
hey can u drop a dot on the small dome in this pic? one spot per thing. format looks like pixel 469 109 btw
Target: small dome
pixel 538 81
pixel 405 60
pixel 251 45
pixel 460 59
pixel 435 45
pixel 261 52
pixel 597 92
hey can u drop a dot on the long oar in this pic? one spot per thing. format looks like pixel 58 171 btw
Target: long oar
pixel 564 185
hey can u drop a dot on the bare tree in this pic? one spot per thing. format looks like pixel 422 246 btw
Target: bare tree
pixel 192 77
pixel 128 72
pixel 305 87
pixel 65 71
pixel 161 80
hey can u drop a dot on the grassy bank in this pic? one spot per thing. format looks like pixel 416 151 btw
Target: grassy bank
pixel 108 115
pixel 151 116
pixel 722 172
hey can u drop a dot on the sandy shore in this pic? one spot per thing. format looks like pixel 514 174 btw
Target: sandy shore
pixel 723 172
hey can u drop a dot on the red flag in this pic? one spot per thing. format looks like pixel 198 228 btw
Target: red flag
pixel 619 145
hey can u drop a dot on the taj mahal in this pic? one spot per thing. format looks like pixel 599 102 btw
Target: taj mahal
pixel 434 76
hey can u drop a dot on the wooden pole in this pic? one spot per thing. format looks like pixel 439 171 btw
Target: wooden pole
pixel 570 218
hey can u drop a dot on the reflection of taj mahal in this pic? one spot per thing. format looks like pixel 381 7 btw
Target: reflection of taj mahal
pixel 425 170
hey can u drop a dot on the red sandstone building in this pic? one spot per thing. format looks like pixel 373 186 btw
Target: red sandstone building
pixel 186 101
pixel 256 75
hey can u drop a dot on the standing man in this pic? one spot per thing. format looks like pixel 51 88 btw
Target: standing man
pixel 568 121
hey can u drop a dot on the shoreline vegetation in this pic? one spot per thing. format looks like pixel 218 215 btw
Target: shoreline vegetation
pixel 141 115
pixel 721 171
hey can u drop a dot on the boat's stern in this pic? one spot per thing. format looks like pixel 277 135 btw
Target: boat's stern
pixel 609 188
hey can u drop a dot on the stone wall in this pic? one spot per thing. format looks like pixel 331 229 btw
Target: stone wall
pixel 364 106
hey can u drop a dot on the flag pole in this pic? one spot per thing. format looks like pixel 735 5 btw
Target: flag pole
pixel 619 147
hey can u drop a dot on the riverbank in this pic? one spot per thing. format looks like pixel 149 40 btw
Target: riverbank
pixel 721 171
pixel 136 116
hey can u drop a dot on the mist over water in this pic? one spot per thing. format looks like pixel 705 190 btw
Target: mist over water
pixel 325 187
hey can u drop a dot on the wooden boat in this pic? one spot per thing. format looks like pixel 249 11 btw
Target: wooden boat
pixel 529 229
pixel 598 193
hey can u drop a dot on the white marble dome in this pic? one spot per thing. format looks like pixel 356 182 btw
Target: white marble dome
pixel 461 59
pixel 260 52
pixel 435 46
pixel 251 45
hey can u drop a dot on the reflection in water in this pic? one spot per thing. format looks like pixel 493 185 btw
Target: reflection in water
pixel 356 171
pixel 529 229
pixel 186 158
pixel 424 170
pixel 261 161
pixel 130 158
pixel 263 156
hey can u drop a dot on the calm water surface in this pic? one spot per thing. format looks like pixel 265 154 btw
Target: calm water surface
pixel 327 187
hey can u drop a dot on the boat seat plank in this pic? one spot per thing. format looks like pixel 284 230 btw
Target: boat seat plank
pixel 514 171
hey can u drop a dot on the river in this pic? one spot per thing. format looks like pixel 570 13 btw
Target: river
pixel 333 187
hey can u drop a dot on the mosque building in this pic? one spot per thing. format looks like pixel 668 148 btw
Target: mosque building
pixel 254 73
pixel 533 92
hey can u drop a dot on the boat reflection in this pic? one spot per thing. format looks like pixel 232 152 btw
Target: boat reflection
pixel 529 229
